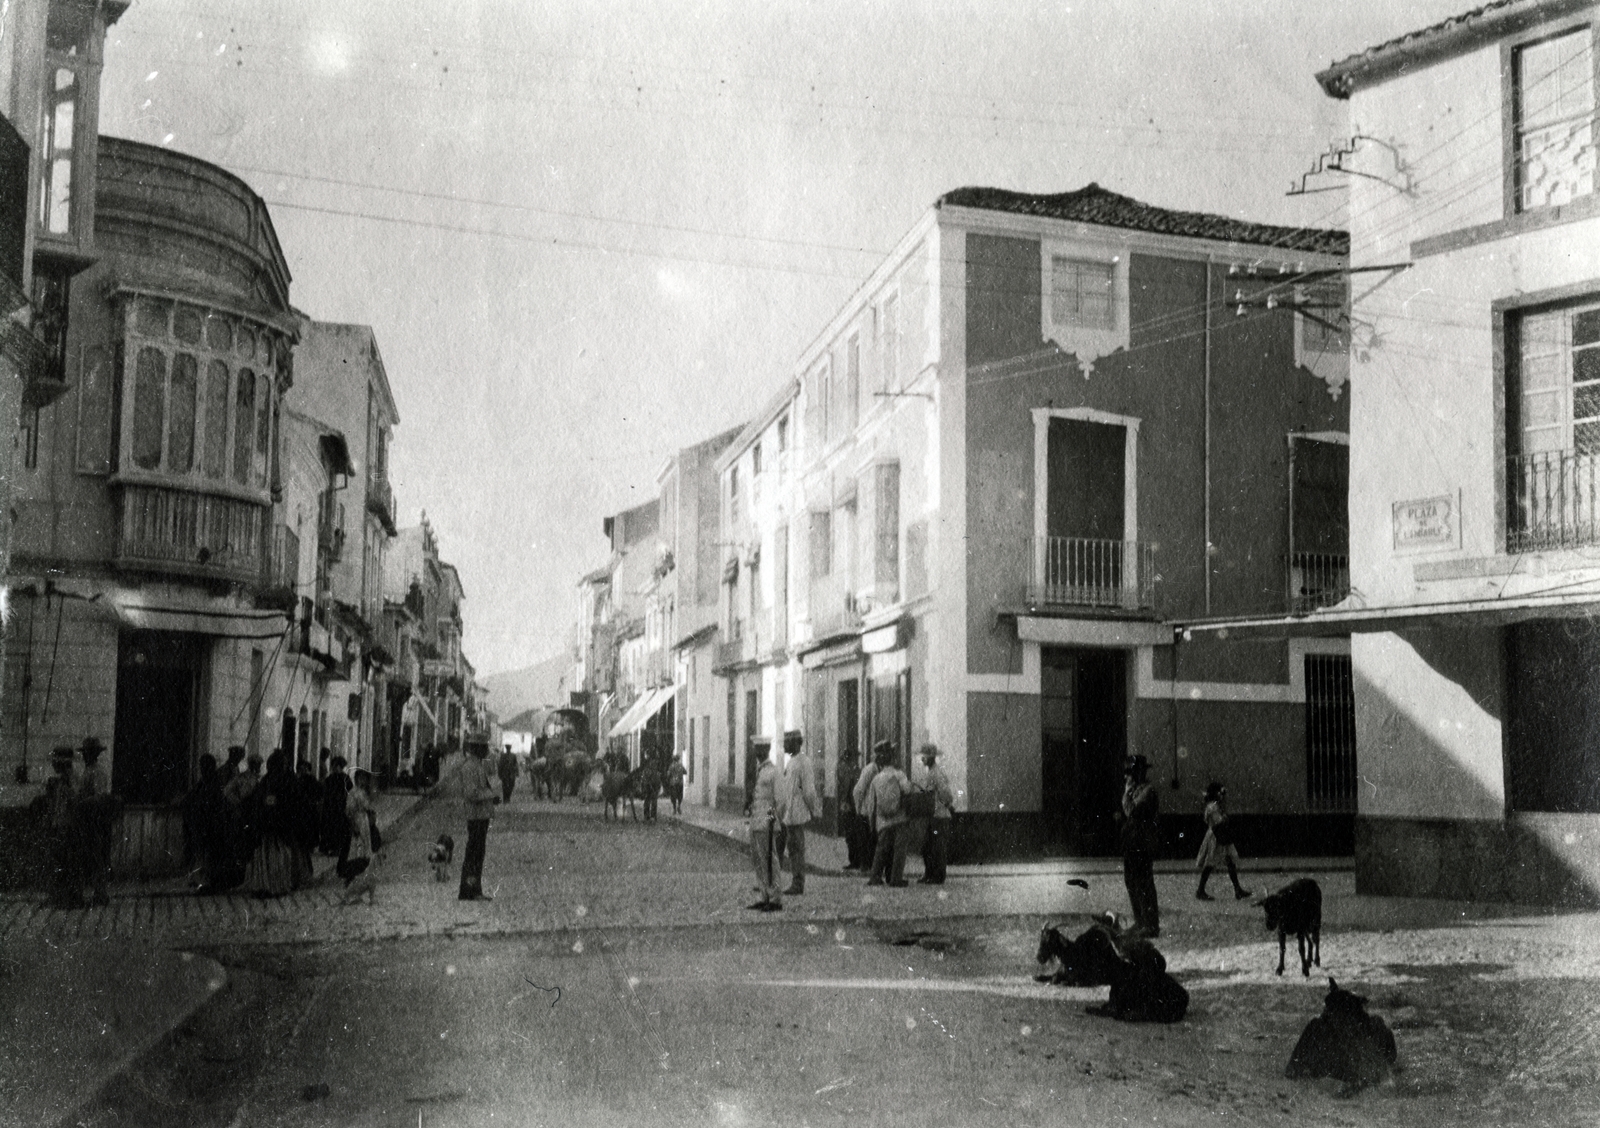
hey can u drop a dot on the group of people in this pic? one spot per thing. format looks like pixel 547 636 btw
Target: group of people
pixel 79 816
pixel 256 830
pixel 884 813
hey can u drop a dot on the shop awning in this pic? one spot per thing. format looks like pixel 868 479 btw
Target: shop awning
pixel 647 705
pixel 1337 621
pixel 152 615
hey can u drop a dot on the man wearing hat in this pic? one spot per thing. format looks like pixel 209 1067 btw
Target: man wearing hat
pixel 886 807
pixel 62 831
pixel 935 845
pixel 1141 838
pixel 97 810
pixel 798 804
pixel 858 800
pixel 761 807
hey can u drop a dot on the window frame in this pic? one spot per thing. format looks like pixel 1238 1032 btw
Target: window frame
pixel 1505 315
pixel 1510 132
pixel 136 336
pixel 1086 342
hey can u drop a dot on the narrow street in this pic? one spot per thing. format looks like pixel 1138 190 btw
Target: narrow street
pixel 616 979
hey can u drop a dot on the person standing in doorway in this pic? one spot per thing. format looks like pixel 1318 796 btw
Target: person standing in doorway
pixel 1218 844
pixel 1141 838
pixel 849 821
pixel 886 805
pixel 480 794
pixel 798 804
pixel 936 844
pixel 761 808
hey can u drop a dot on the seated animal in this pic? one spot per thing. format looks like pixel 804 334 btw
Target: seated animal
pixel 440 855
pixel 616 789
pixel 1141 989
pixel 1344 1042
pixel 1297 908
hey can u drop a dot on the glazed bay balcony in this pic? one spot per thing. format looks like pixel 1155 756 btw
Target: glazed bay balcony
pixel 1554 501
pixel 1070 572
pixel 186 533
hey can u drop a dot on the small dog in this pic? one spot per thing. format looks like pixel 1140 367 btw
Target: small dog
pixel 1344 1042
pixel 440 855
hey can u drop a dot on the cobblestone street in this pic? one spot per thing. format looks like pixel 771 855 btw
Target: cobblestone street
pixel 1491 1007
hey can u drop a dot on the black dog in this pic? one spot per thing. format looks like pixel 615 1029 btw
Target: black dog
pixel 1141 989
pixel 1297 908
pixel 1344 1042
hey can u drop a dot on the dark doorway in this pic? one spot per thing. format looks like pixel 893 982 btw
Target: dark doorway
pixel 158 681
pixel 850 716
pixel 752 722
pixel 1084 740
pixel 1086 485
pixel 1553 737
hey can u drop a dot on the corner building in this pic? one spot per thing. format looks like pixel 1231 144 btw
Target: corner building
pixel 1044 431
pixel 142 539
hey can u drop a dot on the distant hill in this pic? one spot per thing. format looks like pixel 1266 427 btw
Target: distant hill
pixel 516 691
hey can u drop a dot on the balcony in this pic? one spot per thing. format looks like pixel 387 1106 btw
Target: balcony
pixel 380 503
pixel 1086 572
pixel 1317 580
pixel 659 668
pixel 833 610
pixel 1554 501
pixel 191 534
pixel 739 648
pixel 280 574
pixel 330 540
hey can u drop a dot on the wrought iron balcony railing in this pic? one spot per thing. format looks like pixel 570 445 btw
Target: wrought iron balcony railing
pixel 1553 500
pixel 1317 580
pixel 1088 572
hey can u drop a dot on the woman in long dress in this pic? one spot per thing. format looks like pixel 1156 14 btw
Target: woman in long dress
pixel 277 866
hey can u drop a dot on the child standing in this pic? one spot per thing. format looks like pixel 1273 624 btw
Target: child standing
pixel 1218 844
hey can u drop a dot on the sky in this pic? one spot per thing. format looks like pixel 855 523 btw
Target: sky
pixel 588 235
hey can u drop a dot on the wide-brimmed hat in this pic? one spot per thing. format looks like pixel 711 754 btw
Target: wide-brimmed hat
pixel 928 751
pixel 62 754
pixel 91 747
pixel 1136 766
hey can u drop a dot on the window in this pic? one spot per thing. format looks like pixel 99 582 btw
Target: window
pixel 1553 425
pixel 1554 120
pixel 188 402
pixel 783 437
pixel 733 494
pixel 886 503
pixel 755 458
pixel 1324 317
pixel 1559 373
pixel 1080 293
pixel 55 136
pixel 889 327
pixel 852 381
pixel 30 438
pixel 821 544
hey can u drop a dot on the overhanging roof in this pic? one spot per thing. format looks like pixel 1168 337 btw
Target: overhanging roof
pixel 642 710
pixel 1339 621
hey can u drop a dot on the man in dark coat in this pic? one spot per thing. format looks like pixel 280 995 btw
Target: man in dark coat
pixel 1141 839
pixel 508 774
pixel 333 831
